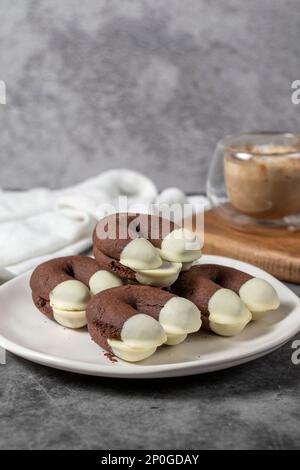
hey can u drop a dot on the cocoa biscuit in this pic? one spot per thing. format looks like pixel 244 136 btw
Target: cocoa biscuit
pixel 200 282
pixel 53 272
pixel 108 311
pixel 225 276
pixel 108 244
pixel 112 265
pixel 227 297
pixel 132 321
pixel 128 227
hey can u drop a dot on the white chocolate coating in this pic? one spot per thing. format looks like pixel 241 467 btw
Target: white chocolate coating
pixel 164 276
pixel 172 340
pixel 179 317
pixel 70 319
pixel 140 254
pixel 68 301
pixel 140 337
pixel 181 246
pixel 103 280
pixel 259 297
pixel 128 353
pixel 70 295
pixel 186 266
pixel 228 315
pixel 143 332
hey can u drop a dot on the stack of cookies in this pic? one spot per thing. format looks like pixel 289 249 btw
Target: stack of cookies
pixel 145 288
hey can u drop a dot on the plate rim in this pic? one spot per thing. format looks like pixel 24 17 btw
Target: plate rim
pixel 197 366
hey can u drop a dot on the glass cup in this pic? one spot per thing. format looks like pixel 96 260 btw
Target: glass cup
pixel 254 180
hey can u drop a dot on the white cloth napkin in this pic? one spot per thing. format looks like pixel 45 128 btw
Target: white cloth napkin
pixel 40 224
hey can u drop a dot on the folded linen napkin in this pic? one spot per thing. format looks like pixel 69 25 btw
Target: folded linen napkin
pixel 40 224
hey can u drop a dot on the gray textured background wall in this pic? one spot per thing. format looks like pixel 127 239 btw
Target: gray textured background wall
pixel 144 84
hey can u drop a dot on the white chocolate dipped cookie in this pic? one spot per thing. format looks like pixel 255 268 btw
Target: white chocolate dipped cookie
pixel 132 321
pixel 228 298
pixel 62 288
pixel 144 248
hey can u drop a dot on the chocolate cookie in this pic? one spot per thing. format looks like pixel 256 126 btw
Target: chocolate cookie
pixel 144 248
pixel 132 321
pixel 62 287
pixel 53 272
pixel 228 298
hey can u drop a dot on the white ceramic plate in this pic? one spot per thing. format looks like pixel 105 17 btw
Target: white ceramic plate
pixel 29 334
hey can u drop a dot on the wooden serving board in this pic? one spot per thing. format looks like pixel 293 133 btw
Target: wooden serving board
pixel 274 250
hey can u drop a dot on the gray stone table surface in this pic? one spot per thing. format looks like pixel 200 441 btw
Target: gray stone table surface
pixel 252 406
